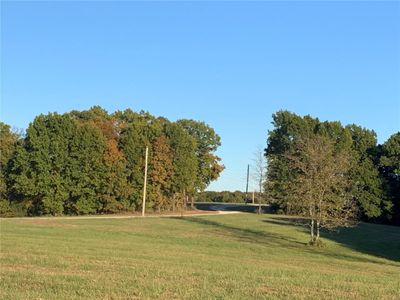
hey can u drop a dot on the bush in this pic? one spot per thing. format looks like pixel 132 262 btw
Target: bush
pixel 13 209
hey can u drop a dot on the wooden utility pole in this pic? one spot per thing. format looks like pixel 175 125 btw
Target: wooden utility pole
pixel 247 183
pixel 259 198
pixel 145 182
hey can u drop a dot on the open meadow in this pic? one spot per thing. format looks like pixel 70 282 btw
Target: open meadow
pixel 198 257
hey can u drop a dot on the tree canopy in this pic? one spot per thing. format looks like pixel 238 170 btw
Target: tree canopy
pixel 372 167
pixel 86 162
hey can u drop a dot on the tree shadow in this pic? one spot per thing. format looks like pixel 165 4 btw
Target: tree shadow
pixel 244 234
pixel 378 240
pixel 273 239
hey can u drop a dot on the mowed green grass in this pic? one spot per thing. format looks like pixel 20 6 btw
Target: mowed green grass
pixel 238 256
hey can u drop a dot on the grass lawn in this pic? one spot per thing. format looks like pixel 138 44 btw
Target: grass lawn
pixel 211 257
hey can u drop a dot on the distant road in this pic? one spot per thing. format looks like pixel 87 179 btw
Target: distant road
pixel 229 207
pixel 225 207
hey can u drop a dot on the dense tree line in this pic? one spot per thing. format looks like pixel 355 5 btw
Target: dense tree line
pixel 372 176
pixel 87 162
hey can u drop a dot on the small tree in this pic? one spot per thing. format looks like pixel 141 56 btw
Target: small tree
pixel 259 172
pixel 320 188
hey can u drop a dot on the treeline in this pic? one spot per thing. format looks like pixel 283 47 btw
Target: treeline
pixel 229 197
pixel 88 162
pixel 374 170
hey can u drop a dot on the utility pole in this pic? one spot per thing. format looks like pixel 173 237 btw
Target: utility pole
pixel 145 182
pixel 252 199
pixel 247 183
pixel 259 197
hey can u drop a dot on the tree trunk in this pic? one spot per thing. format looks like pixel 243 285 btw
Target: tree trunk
pixel 317 238
pixel 192 202
pixel 184 202
pixel 312 230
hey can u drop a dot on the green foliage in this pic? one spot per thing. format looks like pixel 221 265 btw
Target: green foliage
pixel 185 159
pixel 8 144
pixel 87 162
pixel 320 190
pixel 207 141
pixel 390 156
pixel 39 170
pixel 367 185
pixel 5 209
pixel 287 128
pixel 389 162
pixel 86 170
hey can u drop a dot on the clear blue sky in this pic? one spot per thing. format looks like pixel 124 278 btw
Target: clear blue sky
pixel 231 64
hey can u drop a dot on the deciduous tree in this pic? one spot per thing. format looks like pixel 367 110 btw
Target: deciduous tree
pixel 390 170
pixel 319 190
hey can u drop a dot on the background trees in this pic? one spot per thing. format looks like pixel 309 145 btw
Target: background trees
pixel 389 167
pixel 185 163
pixel 161 172
pixel 41 167
pixel 8 145
pixel 367 185
pixel 92 162
pixel 372 177
pixel 208 165
pixel 86 162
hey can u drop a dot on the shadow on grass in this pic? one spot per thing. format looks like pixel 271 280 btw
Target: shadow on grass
pixel 244 234
pixel 378 240
pixel 272 239
pixel 358 238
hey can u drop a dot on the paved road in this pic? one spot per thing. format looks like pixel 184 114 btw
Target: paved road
pixel 223 208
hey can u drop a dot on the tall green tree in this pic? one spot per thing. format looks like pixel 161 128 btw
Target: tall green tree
pixel 8 144
pixel 39 172
pixel 287 126
pixel 133 142
pixel 59 168
pixel 115 190
pixel 185 163
pixel 390 170
pixel 86 171
pixel 367 185
pixel 207 141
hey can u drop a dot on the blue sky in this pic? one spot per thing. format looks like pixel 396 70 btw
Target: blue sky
pixel 231 64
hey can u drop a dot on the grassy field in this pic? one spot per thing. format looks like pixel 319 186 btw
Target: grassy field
pixel 238 256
